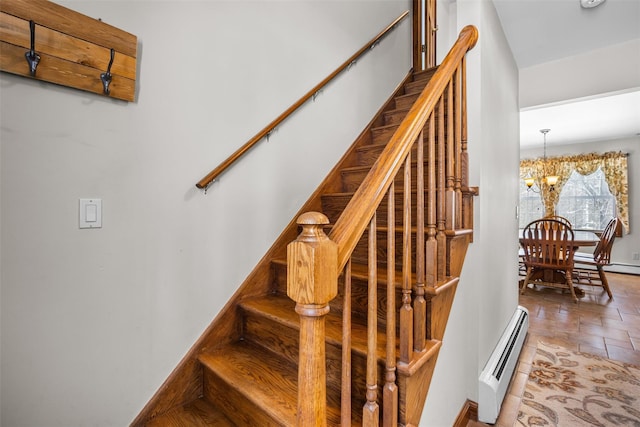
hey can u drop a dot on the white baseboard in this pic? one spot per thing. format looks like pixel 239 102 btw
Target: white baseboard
pixel 623 268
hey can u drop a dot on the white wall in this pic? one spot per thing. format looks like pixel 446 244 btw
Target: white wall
pixel 624 247
pixel 94 320
pixel 447 31
pixel 487 294
pixel 578 76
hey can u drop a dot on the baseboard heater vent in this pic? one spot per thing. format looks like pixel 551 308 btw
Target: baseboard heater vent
pixel 496 375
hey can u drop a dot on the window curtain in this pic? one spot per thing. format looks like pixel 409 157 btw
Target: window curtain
pixel 613 165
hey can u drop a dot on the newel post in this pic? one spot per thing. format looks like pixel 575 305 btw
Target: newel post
pixel 312 281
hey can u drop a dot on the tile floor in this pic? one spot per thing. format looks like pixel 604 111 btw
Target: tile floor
pixel 595 324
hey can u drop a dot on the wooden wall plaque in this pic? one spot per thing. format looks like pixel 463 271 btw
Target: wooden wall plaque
pixel 74 50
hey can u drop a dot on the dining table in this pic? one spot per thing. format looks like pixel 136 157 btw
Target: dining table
pixel 580 237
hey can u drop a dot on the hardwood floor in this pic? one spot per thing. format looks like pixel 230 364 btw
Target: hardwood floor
pixel 596 324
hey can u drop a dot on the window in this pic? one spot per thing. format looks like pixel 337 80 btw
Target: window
pixel 592 188
pixel 586 201
pixel 531 206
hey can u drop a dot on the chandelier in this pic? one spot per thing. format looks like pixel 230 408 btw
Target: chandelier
pixel 550 180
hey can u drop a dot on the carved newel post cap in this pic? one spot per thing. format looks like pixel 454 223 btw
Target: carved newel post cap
pixel 312 262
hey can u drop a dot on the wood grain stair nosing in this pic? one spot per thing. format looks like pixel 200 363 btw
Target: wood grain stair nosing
pixel 261 391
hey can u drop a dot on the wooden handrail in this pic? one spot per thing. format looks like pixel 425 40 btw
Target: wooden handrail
pixel 438 108
pixel 204 182
pixel 357 214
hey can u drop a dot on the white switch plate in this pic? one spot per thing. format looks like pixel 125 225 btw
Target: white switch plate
pixel 90 213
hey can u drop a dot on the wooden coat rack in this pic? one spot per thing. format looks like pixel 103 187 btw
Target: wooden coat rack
pixel 45 41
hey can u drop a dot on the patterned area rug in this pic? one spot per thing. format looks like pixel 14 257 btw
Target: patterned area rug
pixel 568 388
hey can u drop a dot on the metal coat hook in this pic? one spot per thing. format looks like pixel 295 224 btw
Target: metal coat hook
pixel 32 57
pixel 106 77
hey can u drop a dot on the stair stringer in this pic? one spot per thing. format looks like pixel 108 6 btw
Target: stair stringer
pixel 414 379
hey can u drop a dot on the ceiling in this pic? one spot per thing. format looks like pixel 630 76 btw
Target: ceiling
pixel 562 28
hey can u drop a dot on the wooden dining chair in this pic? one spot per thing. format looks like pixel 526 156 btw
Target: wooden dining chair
pixel 589 268
pixel 561 219
pixel 522 269
pixel 549 248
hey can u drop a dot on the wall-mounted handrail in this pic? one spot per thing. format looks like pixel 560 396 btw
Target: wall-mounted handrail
pixel 204 182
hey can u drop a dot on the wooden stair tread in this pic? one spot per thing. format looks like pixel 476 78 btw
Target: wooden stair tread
pixel 384 127
pixel 199 413
pixel 272 381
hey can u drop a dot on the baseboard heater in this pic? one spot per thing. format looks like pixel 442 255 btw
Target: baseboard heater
pixel 496 375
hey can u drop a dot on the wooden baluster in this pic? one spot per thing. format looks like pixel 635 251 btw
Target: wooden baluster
pixel 345 394
pixel 431 249
pixel 467 216
pixel 458 150
pixel 390 392
pixel 463 120
pixel 312 281
pixel 441 238
pixel 406 311
pixel 371 411
pixel 450 162
pixel 419 303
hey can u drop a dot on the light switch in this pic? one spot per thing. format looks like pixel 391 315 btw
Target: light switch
pixel 90 213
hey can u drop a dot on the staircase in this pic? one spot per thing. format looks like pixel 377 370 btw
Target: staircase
pixel 275 356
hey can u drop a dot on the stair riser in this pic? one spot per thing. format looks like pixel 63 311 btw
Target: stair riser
pixel 418 83
pixel 382 135
pixel 368 154
pixel 359 302
pixel 282 339
pixel 424 75
pixel 333 205
pixel 395 117
pixel 360 254
pixel 359 306
pixel 415 86
pixel 351 179
pixel 234 404
pixel 272 335
pixel 406 101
